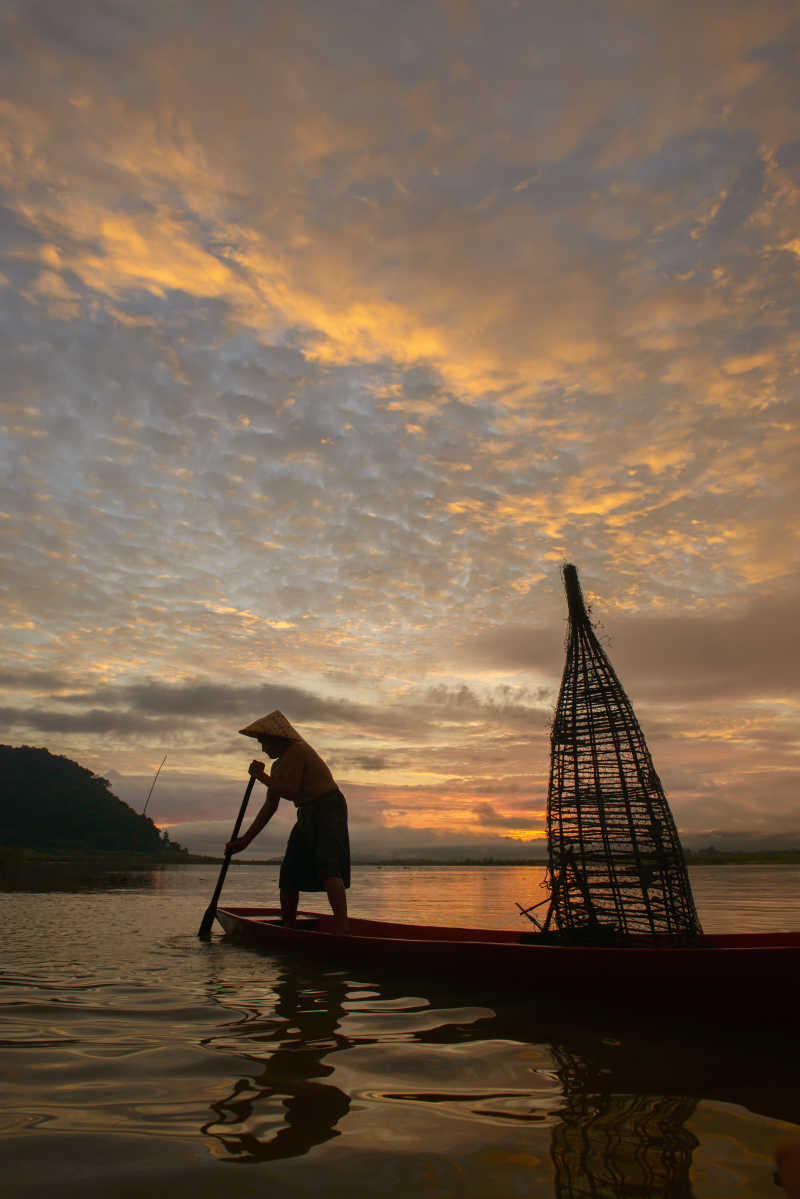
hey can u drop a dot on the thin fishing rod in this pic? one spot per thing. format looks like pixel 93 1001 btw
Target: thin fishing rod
pixel 152 785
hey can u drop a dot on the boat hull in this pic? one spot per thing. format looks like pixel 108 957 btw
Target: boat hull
pixel 731 966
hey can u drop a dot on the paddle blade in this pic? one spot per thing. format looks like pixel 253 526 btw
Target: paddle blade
pixel 204 932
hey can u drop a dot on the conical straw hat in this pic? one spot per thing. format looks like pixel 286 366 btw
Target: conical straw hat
pixel 274 725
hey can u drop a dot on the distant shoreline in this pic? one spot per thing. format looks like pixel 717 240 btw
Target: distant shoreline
pixel 764 858
pixel 776 858
pixel 16 859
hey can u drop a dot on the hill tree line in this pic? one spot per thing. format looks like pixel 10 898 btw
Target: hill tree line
pixel 49 802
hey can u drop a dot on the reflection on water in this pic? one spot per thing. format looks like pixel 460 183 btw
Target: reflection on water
pixel 284 1111
pixel 133 1054
pixel 549 1094
pixel 628 1146
pixel 22 872
pixel 619 1146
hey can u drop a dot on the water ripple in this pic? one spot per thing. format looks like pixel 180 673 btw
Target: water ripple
pixel 135 1059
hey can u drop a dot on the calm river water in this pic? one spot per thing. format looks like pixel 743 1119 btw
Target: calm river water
pixel 137 1059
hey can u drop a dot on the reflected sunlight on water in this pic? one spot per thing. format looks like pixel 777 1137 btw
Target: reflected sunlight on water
pixel 137 1057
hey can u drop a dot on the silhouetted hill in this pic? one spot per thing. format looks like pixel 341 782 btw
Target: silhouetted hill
pixel 50 802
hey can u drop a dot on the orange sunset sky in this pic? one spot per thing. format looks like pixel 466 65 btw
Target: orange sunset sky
pixel 332 329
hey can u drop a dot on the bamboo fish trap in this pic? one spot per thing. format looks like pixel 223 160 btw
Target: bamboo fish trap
pixel 616 868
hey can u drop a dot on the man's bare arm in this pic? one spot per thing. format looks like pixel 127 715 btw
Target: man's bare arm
pixel 258 771
pixel 290 775
pixel 263 818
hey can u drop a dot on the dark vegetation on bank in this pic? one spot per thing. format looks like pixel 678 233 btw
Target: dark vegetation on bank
pixel 60 821
pixel 51 803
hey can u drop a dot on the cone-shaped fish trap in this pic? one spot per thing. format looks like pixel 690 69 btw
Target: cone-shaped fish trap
pixel 616 866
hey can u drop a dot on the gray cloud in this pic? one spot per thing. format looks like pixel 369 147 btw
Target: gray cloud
pixel 34 680
pixel 94 721
pixel 367 762
pixel 420 714
pixel 737 651
pixel 486 814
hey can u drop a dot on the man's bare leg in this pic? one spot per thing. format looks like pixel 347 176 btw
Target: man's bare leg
pixel 337 897
pixel 289 901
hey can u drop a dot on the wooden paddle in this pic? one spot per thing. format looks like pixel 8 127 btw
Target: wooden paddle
pixel 211 911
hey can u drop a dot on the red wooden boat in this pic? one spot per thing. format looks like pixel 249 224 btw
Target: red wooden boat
pixel 621 922
pixel 730 965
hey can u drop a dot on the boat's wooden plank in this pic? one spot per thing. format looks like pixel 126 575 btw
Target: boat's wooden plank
pixel 761 966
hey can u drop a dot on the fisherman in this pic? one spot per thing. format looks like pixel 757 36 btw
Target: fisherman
pixel 317 856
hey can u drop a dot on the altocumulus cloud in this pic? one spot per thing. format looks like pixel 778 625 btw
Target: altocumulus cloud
pixel 330 329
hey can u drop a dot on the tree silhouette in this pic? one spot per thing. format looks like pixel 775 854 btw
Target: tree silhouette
pixel 50 802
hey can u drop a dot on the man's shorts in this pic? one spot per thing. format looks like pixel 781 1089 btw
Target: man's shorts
pixel 318 846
